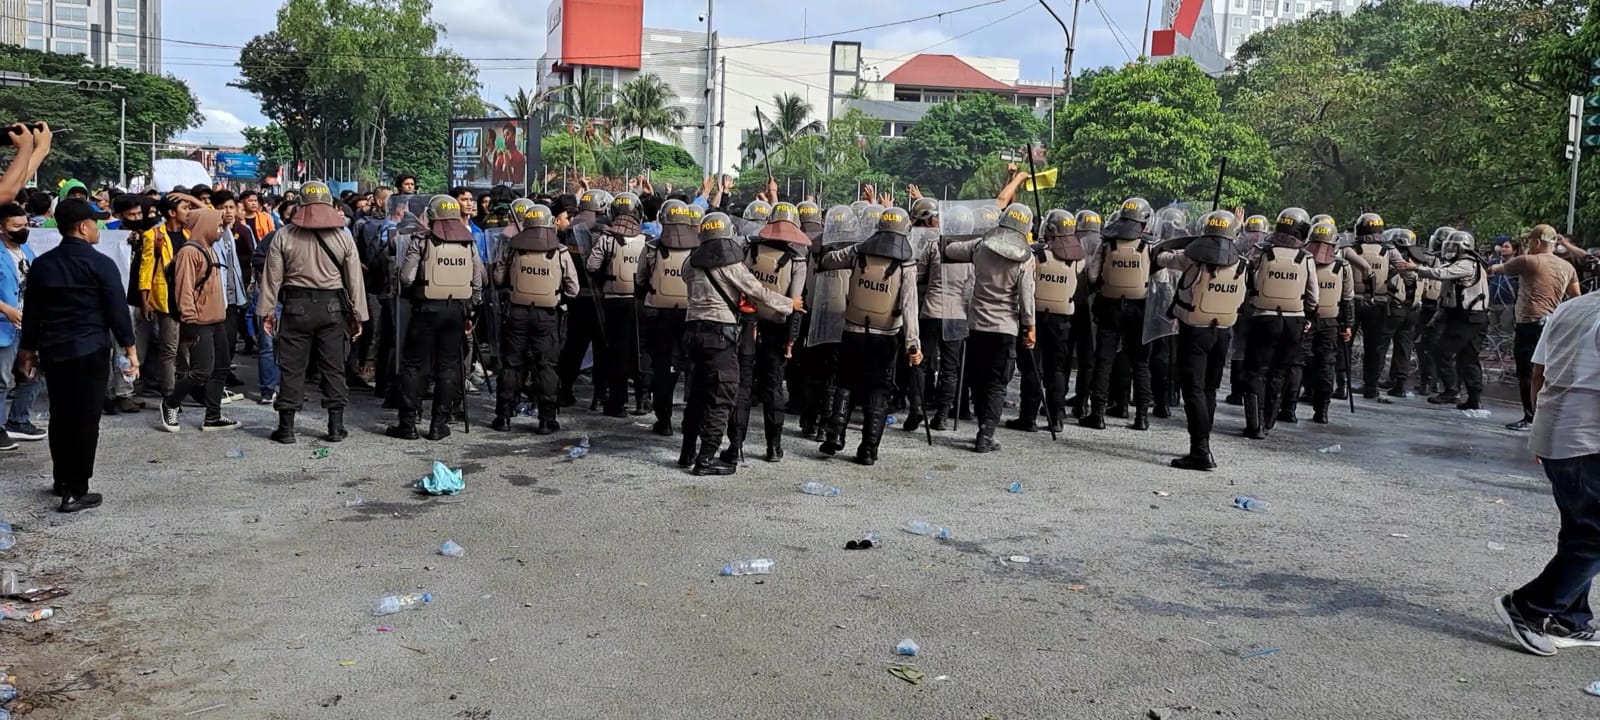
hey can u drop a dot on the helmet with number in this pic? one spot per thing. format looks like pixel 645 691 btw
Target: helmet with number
pixel 1089 221
pixel 1059 224
pixel 716 226
pixel 924 210
pixel 594 201
pixel 894 220
pixel 757 211
pixel 1369 224
pixel 625 203
pixel 1457 244
pixel 1131 220
pixel 1293 222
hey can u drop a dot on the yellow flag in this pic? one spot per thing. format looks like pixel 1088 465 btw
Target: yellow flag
pixel 1041 181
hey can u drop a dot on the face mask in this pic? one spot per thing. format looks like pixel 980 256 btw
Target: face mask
pixel 19 237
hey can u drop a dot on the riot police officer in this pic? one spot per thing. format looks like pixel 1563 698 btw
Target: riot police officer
pixel 1210 290
pixel 943 314
pixel 1120 274
pixel 825 315
pixel 1002 311
pixel 314 271
pixel 1088 225
pixel 778 256
pixel 1463 315
pixel 1319 349
pixel 1283 289
pixel 1250 238
pixel 1059 261
pixel 444 276
pixel 1405 302
pixel 666 299
pixel 583 317
pixel 1378 317
pixel 539 279
pixel 614 263
pixel 718 281
pixel 1427 337
pixel 880 308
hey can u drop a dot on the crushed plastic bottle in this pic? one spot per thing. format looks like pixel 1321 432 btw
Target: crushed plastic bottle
pixel 7 539
pixel 580 449
pixel 9 584
pixel 918 526
pixel 816 488
pixel 1331 449
pixel 236 453
pixel 1250 504
pixel 8 693
pixel 12 612
pixel 391 604
pixel 321 453
pixel 451 548
pixel 759 566
pixel 867 542
pixel 889 421
pixel 927 476
pixel 1015 487
pixel 907 647
pixel 356 501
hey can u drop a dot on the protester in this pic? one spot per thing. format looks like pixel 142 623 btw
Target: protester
pixel 233 286
pixel 254 215
pixel 1552 611
pixel 77 306
pixel 130 214
pixel 200 307
pixel 1543 281
pixel 14 270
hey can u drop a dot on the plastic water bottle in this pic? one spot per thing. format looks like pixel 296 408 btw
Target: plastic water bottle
pixel 12 612
pixel 816 488
pixel 579 450
pixel 451 549
pixel 1250 504
pixel 391 604
pixel 889 421
pixel 8 693
pixel 906 647
pixel 918 526
pixel 1015 487
pixel 759 566
pixel 7 539
pixel 122 364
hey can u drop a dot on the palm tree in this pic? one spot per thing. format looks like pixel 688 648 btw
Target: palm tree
pixel 581 108
pixel 790 120
pixel 645 104
pixel 523 104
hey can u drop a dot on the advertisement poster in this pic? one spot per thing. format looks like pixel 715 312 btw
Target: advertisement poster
pixel 487 152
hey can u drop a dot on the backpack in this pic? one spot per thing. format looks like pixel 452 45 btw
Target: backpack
pixel 170 271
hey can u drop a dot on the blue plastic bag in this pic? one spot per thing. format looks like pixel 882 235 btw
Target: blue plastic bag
pixel 442 481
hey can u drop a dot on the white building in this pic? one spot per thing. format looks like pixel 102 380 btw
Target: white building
pixel 116 33
pixel 1219 27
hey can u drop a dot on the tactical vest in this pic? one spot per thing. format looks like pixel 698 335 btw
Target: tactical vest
pixel 536 278
pixel 1215 295
pixel 874 297
pixel 1281 281
pixel 771 266
pixel 1430 289
pixel 1126 272
pixel 1330 289
pixel 1377 285
pixel 1473 293
pixel 1055 284
pixel 446 272
pixel 668 291
pixel 624 261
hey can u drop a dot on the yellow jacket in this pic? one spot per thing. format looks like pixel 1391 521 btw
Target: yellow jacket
pixel 155 253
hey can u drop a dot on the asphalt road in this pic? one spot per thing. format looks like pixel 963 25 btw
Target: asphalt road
pixel 215 587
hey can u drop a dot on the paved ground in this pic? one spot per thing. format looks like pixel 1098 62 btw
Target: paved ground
pixel 589 587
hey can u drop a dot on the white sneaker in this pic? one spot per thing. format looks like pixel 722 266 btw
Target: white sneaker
pixel 229 396
pixel 1561 637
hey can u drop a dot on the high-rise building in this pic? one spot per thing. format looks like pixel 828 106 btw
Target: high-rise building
pixel 115 33
pixel 1211 31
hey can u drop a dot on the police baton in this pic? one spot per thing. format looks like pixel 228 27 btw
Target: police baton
pixel 1350 392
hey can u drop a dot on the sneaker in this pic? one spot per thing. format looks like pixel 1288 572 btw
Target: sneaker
pixel 169 418
pixel 1530 639
pixel 6 443
pixel 266 397
pixel 24 431
pixel 1561 637
pixel 1523 424
pixel 220 423
pixel 229 396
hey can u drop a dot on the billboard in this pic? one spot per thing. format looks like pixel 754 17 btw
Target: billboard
pixel 486 152
pixel 238 166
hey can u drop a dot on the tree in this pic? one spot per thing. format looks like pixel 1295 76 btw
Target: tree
pixel 1157 131
pixel 646 105
pixel 954 138
pixel 580 107
pixel 271 144
pixel 90 151
pixel 522 105
pixel 791 119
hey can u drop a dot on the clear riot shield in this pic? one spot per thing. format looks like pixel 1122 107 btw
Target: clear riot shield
pixel 949 297
pixel 920 238
pixel 1170 223
pixel 867 220
pixel 841 228
pixel 409 214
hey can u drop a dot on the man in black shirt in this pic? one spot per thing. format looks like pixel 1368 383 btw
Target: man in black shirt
pixel 76 305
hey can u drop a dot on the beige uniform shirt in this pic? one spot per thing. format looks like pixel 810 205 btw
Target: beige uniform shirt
pixel 296 259
pixel 416 245
pixel 845 258
pixel 735 281
pixel 1002 289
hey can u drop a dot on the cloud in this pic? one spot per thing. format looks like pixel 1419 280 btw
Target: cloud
pixel 221 127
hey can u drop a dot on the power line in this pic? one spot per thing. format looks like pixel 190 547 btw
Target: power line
pixel 1115 30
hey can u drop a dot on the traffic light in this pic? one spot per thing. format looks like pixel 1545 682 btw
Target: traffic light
pixel 96 85
pixel 1591 105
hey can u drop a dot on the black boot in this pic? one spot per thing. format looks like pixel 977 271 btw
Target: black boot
pixel 1022 425
pixel 1445 397
pixel 690 448
pixel 662 427
pixel 1096 419
pixel 336 431
pixel 1160 410
pixel 641 404
pixel 872 429
pixel 1079 405
pixel 940 421
pixel 501 423
pixel 985 442
pixel 1141 419
pixel 772 422
pixel 1119 411
pixel 914 421
pixel 1341 391
pixel 1199 457
pixel 1320 414
pixel 734 454
pixel 838 416
pixel 1057 419
pixel 439 429
pixel 1471 403
pixel 1252 418
pixel 1269 411
pixel 285 431
pixel 1288 415
pixel 707 464
pixel 547 424
pixel 406 429
pixel 1234 398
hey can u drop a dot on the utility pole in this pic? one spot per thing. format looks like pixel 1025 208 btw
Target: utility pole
pixel 722 121
pixel 1144 42
pixel 711 79
pixel 1067 59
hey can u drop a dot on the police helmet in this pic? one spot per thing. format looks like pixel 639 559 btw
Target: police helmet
pixel 785 212
pixel 1324 231
pixel 757 211
pixel 678 212
pixel 716 226
pixel 1369 224
pixel 534 215
pixel 1089 221
pixel 520 206
pixel 1219 223
pixel 440 207
pixel 1400 237
pixel 1256 223
pixel 625 203
pixel 1059 223
pixel 810 212
pixel 1135 209
pixel 924 209
pixel 594 201
pixel 1293 222
pixel 1018 217
pixel 1323 217
pixel 894 220
pixel 1457 244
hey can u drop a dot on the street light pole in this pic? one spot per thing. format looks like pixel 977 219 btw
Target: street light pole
pixel 711 78
pixel 1067 59
pixel 122 147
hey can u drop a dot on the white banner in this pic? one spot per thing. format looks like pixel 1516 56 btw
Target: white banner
pixel 113 244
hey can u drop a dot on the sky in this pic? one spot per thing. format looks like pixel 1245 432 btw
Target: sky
pixel 1109 33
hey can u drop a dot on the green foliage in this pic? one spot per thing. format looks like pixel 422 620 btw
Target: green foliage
pixel 566 153
pixel 90 151
pixel 646 105
pixel 325 74
pixel 955 138
pixel 580 110
pixel 986 182
pixel 1156 131
pixel 271 144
